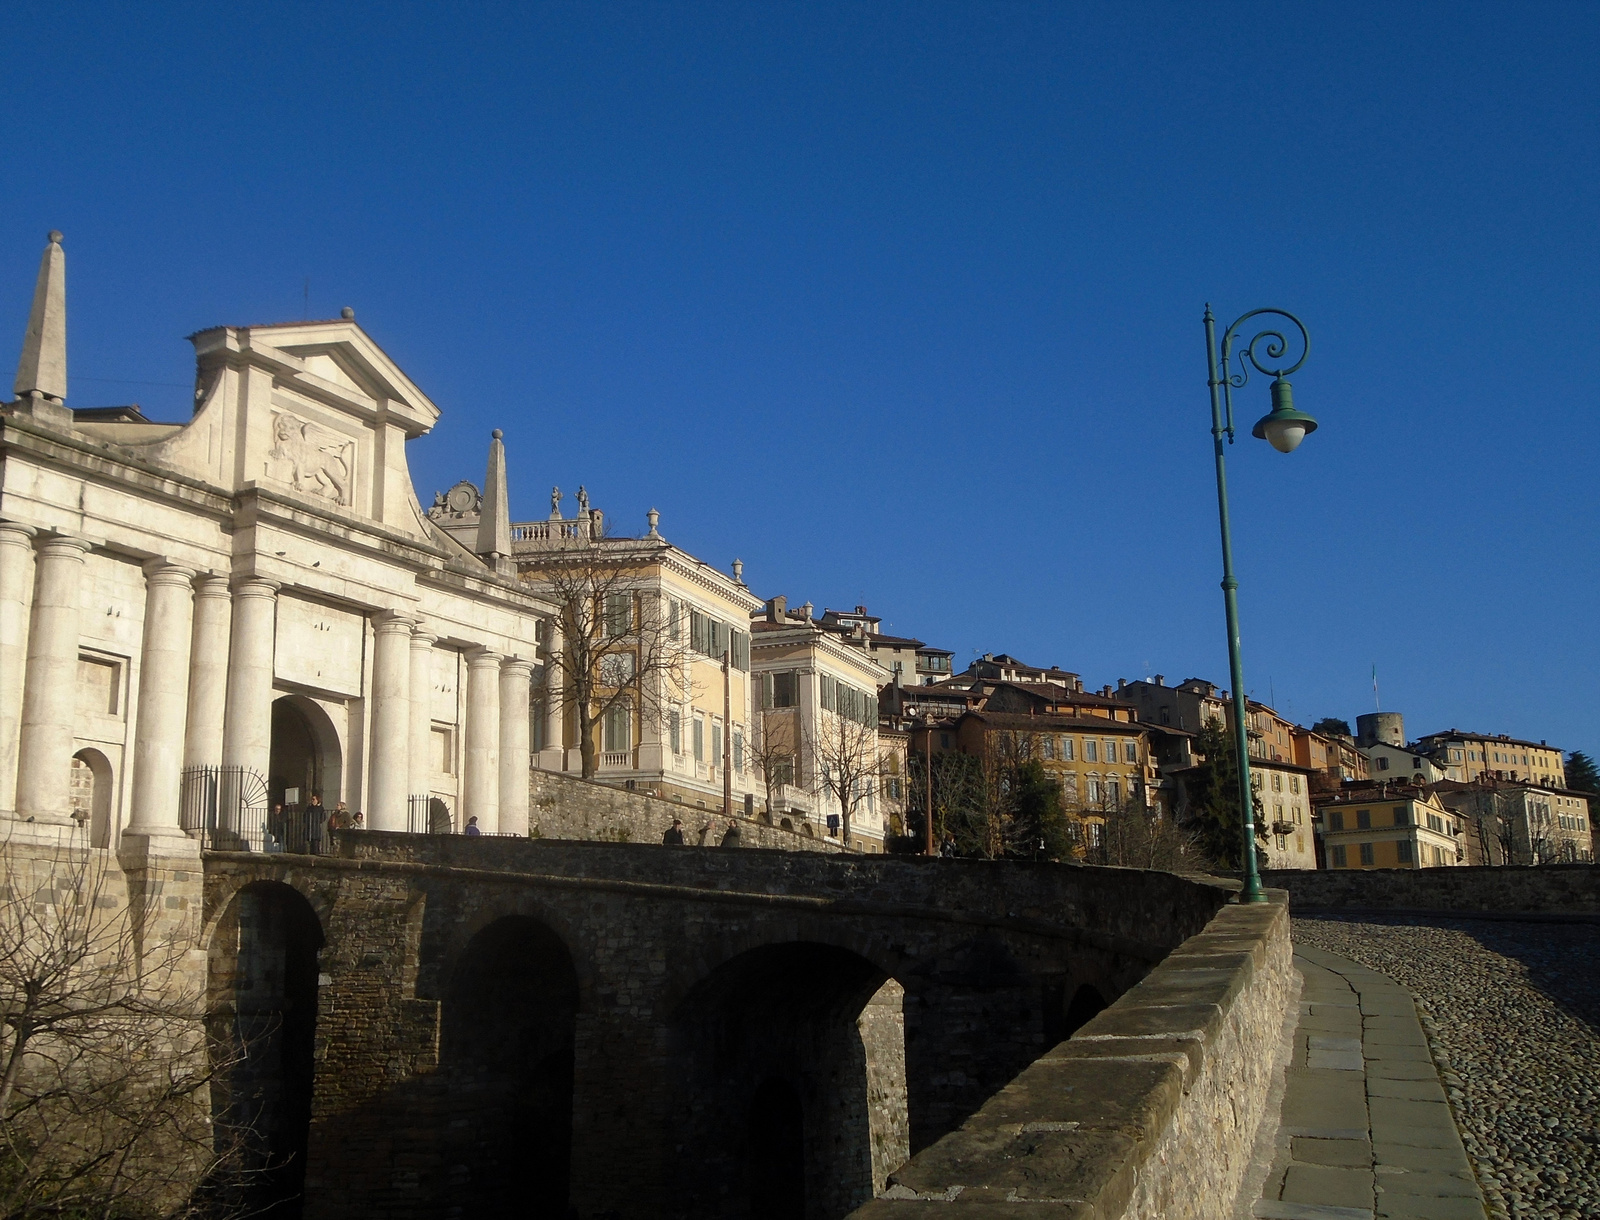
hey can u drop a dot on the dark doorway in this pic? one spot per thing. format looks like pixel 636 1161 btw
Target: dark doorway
pixel 296 769
pixel 264 1103
pixel 507 1046
pixel 776 1133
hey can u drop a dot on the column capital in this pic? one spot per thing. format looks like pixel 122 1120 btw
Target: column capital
pixel 61 544
pixel 160 572
pixel 255 586
pixel 211 584
pixel 483 658
pixel 392 622
pixel 517 666
pixel 421 637
pixel 16 533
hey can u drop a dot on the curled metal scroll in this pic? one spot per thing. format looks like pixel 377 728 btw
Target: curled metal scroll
pixel 1269 344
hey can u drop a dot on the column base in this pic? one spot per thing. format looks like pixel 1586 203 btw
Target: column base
pixel 156 848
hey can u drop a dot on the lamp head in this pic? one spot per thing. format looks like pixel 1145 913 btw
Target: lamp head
pixel 1285 427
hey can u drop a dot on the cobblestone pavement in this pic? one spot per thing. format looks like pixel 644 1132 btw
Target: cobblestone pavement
pixel 1515 1008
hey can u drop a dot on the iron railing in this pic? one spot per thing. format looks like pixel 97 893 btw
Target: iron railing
pixel 429 815
pixel 229 810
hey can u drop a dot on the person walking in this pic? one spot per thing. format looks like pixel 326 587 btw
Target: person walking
pixel 730 837
pixel 674 835
pixel 472 827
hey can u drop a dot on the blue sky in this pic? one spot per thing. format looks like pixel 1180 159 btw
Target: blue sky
pixel 901 303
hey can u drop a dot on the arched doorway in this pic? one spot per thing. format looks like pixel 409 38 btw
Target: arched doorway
pixel 305 757
pixel 506 1052
pixel 263 1004
pixel 91 795
pixel 793 1087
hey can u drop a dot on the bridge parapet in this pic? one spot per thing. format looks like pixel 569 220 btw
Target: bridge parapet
pixel 1149 1111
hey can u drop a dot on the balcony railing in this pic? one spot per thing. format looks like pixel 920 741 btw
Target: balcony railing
pixel 616 760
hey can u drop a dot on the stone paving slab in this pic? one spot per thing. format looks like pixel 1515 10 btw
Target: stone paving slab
pixel 1365 1131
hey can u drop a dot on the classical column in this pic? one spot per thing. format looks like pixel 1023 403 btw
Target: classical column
pixel 50 688
pixel 208 672
pixel 482 779
pixel 247 731
pixel 16 581
pixel 421 769
pixel 163 698
pixel 515 678
pixel 388 766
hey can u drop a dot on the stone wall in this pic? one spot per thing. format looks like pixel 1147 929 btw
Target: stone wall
pixel 1553 889
pixel 563 806
pixel 1149 1111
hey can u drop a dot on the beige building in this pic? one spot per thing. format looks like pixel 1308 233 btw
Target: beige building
pixel 684 732
pixel 1389 828
pixel 1285 793
pixel 819 736
pixel 1520 823
pixel 203 619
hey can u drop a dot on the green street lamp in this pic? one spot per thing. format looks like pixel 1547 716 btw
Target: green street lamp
pixel 1283 428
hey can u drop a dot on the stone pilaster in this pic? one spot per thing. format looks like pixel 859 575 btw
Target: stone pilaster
pixel 516 676
pixel 389 767
pixel 481 783
pixel 553 756
pixel 163 703
pixel 421 760
pixel 50 688
pixel 16 603
pixel 208 672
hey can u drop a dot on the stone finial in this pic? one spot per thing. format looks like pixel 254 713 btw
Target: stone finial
pixel 654 518
pixel 42 371
pixel 348 314
pixel 738 571
pixel 494 528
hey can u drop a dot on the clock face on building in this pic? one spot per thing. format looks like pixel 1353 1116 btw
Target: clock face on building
pixel 462 498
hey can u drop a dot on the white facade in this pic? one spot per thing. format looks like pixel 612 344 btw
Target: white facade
pixel 1285 794
pixel 257 588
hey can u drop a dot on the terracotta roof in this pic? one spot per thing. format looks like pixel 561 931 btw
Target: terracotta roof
pixel 1053 720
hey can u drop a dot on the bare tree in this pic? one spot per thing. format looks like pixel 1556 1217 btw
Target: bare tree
pixel 847 763
pixel 621 649
pixel 1134 834
pixel 775 750
pixel 105 1070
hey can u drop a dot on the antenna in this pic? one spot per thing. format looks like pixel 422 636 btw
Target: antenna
pixel 1376 705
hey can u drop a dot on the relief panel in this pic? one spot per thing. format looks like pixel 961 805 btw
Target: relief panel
pixel 311 459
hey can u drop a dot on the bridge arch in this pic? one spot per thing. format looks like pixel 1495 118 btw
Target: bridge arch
pixel 799 1042
pixel 262 1012
pixel 506 1054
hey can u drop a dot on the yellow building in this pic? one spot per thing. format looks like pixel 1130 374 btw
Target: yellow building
pixel 1388 828
pixel 1469 756
pixel 667 619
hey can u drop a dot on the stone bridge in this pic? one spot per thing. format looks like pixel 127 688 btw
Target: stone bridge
pixel 448 1026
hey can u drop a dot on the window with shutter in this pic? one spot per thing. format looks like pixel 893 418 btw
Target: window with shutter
pixel 738 750
pixel 830 687
pixel 699 739
pixel 675 731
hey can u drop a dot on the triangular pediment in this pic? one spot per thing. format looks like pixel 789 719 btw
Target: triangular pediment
pixel 340 355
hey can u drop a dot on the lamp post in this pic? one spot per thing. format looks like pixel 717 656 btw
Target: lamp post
pixel 1283 428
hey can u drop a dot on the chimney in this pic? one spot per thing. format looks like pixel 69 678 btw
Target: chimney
pixel 1160 681
pixel 861 609
pixel 777 608
pixel 1122 684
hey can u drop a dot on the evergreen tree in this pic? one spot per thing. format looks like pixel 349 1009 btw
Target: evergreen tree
pixel 1038 822
pixel 1581 773
pixel 1332 724
pixel 1214 817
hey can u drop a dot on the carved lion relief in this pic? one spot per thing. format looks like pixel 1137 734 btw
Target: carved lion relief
pixel 313 460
